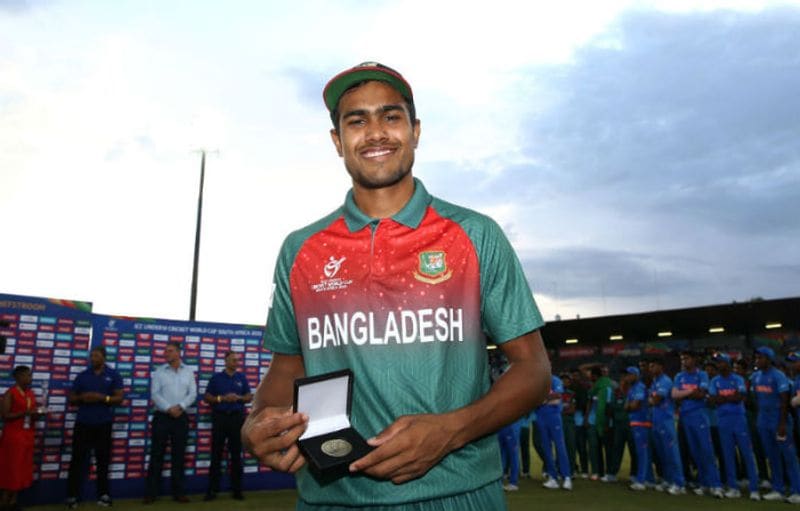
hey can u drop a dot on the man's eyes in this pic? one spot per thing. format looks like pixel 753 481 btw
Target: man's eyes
pixel 360 121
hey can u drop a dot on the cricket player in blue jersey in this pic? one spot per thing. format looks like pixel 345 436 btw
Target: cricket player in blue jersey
pixel 666 439
pixel 774 425
pixel 689 390
pixel 639 415
pixel 551 432
pixel 727 391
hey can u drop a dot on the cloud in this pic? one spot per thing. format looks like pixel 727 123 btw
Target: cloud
pixel 660 163
pixel 692 116
pixel 584 272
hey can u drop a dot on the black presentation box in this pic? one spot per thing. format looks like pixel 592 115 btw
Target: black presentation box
pixel 330 443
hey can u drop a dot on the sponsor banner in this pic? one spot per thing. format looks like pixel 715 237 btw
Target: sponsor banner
pixel 662 347
pixel 135 346
pixel 623 350
pixel 577 352
pixel 51 336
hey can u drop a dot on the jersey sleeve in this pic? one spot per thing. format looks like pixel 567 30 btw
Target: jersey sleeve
pixel 508 309
pixel 77 385
pixel 782 382
pixel 703 384
pixel 280 334
pixel 712 386
pixel 213 383
pixel 741 386
pixel 664 387
pixel 637 393
pixel 116 383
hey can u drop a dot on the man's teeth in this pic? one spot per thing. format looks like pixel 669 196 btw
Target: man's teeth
pixel 376 152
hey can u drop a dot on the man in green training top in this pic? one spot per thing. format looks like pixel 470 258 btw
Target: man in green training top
pixel 404 289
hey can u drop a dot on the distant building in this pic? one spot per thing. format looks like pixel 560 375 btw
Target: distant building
pixel 735 328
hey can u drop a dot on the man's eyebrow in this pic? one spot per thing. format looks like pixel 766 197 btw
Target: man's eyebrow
pixel 382 109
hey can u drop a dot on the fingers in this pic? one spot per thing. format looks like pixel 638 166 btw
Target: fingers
pixel 377 458
pixel 389 433
pixel 271 438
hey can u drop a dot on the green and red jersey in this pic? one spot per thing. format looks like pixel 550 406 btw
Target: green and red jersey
pixel 407 303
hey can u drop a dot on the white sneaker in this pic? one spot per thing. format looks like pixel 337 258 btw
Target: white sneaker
pixel 699 491
pixel 676 490
pixel 717 493
pixel 551 484
pixel 567 484
pixel 609 478
pixel 584 475
pixel 636 486
pixel 104 501
pixel 510 487
pixel 765 485
pixel 754 495
pixel 794 498
pixel 659 487
pixel 732 493
pixel 773 495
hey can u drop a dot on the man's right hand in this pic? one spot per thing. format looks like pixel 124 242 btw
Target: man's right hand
pixel 271 434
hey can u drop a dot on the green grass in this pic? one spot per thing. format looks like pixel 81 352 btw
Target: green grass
pixel 587 495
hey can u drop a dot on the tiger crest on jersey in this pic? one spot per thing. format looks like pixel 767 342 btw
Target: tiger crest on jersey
pixel 433 267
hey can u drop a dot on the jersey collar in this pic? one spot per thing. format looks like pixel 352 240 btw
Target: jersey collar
pixel 411 215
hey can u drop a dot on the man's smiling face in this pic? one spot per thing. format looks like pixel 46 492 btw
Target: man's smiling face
pixel 376 135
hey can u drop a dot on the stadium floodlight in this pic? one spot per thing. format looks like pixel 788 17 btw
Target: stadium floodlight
pixel 571 341
pixel 716 330
pixel 615 337
pixel 665 333
pixel 772 326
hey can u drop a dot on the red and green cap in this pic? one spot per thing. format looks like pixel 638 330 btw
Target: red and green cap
pixel 365 71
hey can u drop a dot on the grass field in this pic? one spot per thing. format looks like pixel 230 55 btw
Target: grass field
pixel 587 495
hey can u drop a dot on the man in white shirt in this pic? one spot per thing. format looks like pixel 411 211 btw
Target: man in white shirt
pixel 173 390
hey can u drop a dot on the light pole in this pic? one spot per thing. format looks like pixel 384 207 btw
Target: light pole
pixel 193 306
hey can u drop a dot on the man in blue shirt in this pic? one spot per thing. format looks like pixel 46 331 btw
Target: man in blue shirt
pixel 639 416
pixel 227 392
pixel 727 391
pixel 551 431
pixel 690 389
pixel 666 439
pixel 95 392
pixel 774 424
pixel 173 390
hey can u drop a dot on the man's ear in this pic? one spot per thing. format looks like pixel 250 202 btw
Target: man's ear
pixel 417 130
pixel 337 141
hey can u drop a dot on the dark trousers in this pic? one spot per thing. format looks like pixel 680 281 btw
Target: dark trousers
pixel 525 449
pixel 581 441
pixel 165 428
pixel 226 428
pixel 85 439
pixel 599 449
pixel 569 439
pixel 622 436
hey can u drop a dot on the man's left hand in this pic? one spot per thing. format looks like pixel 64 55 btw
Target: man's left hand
pixel 408 448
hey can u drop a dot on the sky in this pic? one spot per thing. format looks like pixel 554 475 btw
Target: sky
pixel 639 155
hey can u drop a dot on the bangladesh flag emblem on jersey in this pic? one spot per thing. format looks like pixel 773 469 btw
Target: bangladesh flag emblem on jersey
pixel 433 267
